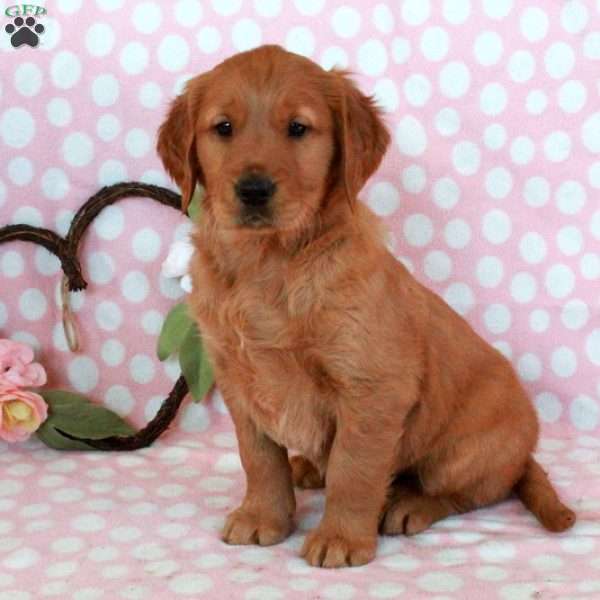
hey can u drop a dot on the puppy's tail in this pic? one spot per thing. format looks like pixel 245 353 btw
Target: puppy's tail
pixel 537 494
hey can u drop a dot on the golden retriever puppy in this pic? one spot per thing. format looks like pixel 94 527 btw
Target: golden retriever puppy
pixel 322 342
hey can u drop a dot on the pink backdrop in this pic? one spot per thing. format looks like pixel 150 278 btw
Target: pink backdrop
pixel 490 190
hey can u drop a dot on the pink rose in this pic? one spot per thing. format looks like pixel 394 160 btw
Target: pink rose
pixel 21 413
pixel 17 368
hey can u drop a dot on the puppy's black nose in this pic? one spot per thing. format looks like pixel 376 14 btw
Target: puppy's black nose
pixel 254 190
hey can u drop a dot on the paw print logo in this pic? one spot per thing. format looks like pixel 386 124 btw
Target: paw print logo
pixel 24 31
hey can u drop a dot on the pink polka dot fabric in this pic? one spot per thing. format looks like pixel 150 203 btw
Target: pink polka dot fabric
pixel 490 191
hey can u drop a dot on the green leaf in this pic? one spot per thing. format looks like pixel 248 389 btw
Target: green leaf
pixel 195 365
pixel 174 330
pixel 196 203
pixel 77 416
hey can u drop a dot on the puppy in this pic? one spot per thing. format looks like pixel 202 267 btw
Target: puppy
pixel 322 342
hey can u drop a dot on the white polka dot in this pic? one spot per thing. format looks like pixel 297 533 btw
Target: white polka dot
pixel 190 584
pixel 118 398
pixel 493 99
pixel 466 158
pixel 559 280
pixel 267 8
pixel 417 89
pixel 109 5
pixel 55 184
pixel 592 346
pixel 446 193
pixel 418 230
pixel 488 48
pixel 549 407
pixel 134 58
pixel 454 80
pixel 112 171
pixel 401 50
pixel 59 112
pixel 498 182
pixel 591 45
pixel 522 150
pixel 65 69
pixel 415 12
pixel 536 191
pixel 100 267
pixel 108 127
pixel 137 143
pixel 595 225
pixel 17 127
pixel 457 234
pixel 208 39
pixel 572 96
pixel 456 11
pixel 570 197
pixel 590 133
pixel 536 102
pixel 414 179
pixel 460 297
pixel 46 263
pixel 113 352
pixel 28 79
pixel 147 17
pixel 194 418
pixel 575 314
pixel 334 56
pixel 569 240
pixel 28 215
pixel 574 16
pixel 372 58
pixel 523 287
pixel 174 52
pixel 300 40
pixel 32 304
pixel 383 18
pixel 437 266
pixel 497 9
pixel 447 122
pixel 83 375
pixel 529 367
pixel 494 136
pixel 135 286
pixel 559 60
pixel 590 266
pixel 189 12
pixel 23 558
pixel 435 44
pixel 105 89
pixel 20 170
pixel 563 362
pixel 489 271
pixel 11 264
pixel 497 551
pixel 141 368
pixel 88 523
pixel 521 66
pixel 439 581
pixel 346 22
pixel 338 591
pixel 410 136
pixel 78 149
pixel 386 95
pixel 69 6
pixel 99 39
pixel 585 411
pixel 108 316
pixel 146 244
pixel 557 146
pixel 3 314
pixel 384 198
pixel 534 24
pixel 150 95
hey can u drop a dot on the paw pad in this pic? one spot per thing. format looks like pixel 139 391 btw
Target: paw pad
pixel 24 31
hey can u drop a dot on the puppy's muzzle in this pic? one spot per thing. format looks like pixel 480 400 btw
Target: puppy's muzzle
pixel 254 191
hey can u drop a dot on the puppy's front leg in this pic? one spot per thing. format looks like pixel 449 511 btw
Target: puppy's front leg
pixel 358 475
pixel 265 515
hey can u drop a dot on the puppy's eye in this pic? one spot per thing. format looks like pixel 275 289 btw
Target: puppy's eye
pixel 224 128
pixel 296 129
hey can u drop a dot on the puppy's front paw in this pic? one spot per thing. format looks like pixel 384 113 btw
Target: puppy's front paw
pixel 244 526
pixel 332 550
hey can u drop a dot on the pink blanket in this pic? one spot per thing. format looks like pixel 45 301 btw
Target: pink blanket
pixel 490 191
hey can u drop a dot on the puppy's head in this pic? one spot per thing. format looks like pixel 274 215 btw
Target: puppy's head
pixel 271 135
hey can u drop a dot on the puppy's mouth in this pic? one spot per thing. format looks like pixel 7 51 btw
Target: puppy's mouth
pixel 255 219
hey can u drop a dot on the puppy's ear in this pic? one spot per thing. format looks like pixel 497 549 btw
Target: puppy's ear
pixel 362 136
pixel 176 143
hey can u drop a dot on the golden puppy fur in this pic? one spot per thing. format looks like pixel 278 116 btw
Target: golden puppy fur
pixel 322 342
